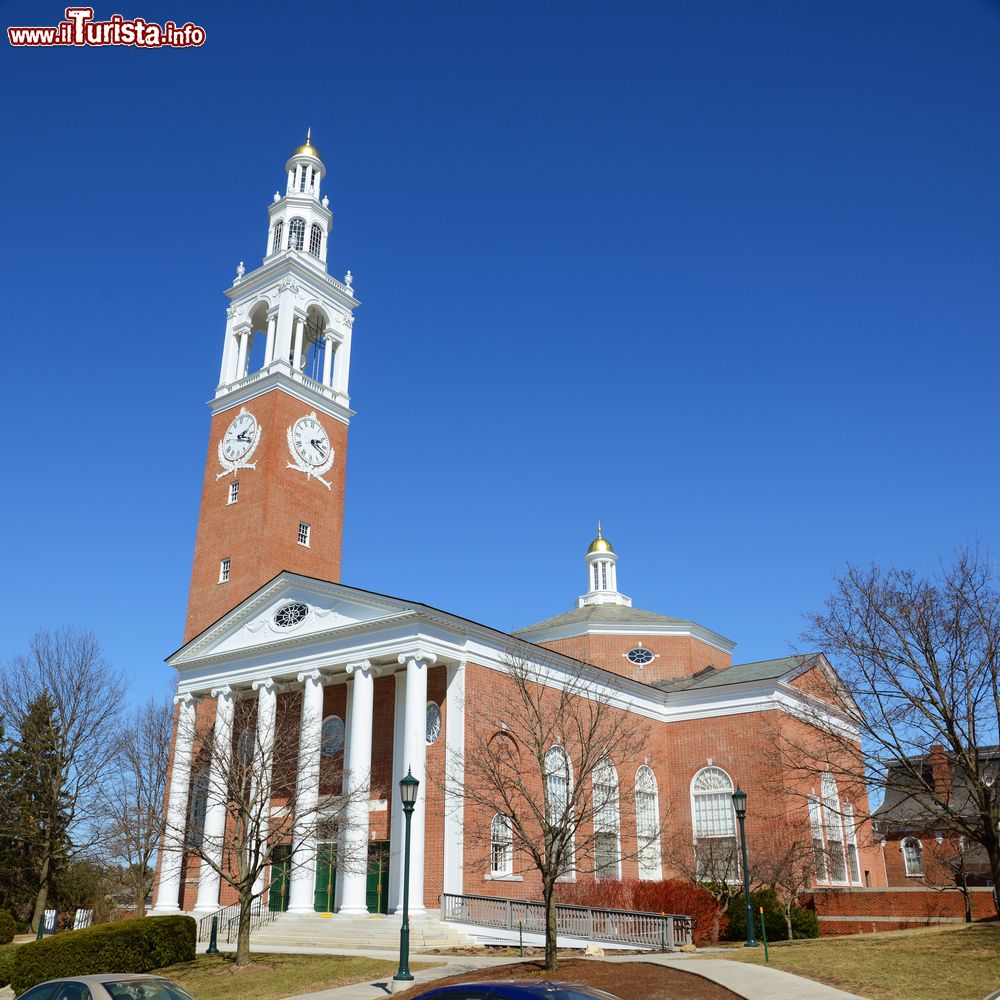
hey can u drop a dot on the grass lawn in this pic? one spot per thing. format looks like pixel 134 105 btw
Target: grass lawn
pixel 955 962
pixel 216 977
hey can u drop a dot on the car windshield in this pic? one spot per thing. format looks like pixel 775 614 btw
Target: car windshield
pixel 145 989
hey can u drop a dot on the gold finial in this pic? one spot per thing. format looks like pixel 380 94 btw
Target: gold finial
pixel 600 543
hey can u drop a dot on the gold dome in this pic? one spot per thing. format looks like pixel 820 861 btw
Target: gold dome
pixel 307 148
pixel 600 543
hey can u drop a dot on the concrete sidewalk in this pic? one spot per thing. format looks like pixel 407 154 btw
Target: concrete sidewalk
pixel 751 982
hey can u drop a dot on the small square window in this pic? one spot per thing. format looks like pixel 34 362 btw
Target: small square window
pixel 224 571
pixel 303 533
pixel 234 491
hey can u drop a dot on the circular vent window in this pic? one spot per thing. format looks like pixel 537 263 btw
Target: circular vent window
pixel 640 655
pixel 289 615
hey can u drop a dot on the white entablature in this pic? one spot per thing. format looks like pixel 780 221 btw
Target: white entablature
pixel 304 315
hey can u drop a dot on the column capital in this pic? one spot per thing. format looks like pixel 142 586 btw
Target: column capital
pixel 366 667
pixel 188 699
pixel 309 675
pixel 266 683
pixel 225 691
pixel 420 655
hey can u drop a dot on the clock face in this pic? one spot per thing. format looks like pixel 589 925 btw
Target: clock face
pixel 239 437
pixel 310 441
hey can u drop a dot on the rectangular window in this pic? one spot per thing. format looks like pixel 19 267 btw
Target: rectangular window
pixel 224 571
pixel 234 491
pixel 303 533
pixel 606 855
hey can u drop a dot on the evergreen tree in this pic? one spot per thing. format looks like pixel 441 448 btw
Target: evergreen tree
pixel 38 801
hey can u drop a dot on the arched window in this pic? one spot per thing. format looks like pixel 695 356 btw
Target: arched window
pixel 315 240
pixel 279 229
pixel 714 821
pixel 558 800
pixel 913 856
pixel 501 846
pixel 647 824
pixel 607 821
pixel 834 829
pixel 834 836
pixel 296 234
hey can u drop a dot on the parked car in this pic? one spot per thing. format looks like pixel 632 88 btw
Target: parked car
pixel 123 986
pixel 516 990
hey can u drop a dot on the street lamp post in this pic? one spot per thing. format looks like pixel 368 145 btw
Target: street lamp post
pixel 408 793
pixel 740 805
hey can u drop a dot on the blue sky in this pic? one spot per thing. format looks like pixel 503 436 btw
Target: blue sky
pixel 723 275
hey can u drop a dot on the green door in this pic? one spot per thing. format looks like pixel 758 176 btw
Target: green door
pixel 326 878
pixel 277 894
pixel 378 877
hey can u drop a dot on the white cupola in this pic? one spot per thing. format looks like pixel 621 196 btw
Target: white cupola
pixel 300 220
pixel 602 574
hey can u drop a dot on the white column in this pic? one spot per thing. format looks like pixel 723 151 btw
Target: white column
pixel 395 809
pixel 241 360
pixel 454 800
pixel 354 864
pixel 414 761
pixel 267 703
pixel 300 330
pixel 342 365
pixel 303 887
pixel 272 335
pixel 328 352
pixel 172 845
pixel 214 835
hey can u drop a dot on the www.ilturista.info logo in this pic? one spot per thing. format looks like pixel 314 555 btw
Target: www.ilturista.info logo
pixel 80 29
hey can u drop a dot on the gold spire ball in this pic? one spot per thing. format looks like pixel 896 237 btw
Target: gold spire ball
pixel 600 543
pixel 307 148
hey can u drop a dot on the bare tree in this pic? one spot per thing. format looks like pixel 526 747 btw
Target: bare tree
pixel 236 827
pixel 135 796
pixel 784 860
pixel 543 757
pixel 66 669
pixel 920 657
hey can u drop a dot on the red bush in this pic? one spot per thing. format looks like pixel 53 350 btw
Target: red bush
pixel 678 896
pixel 610 895
pixel 671 896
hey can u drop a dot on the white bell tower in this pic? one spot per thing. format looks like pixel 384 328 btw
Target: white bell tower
pixel 303 316
pixel 602 574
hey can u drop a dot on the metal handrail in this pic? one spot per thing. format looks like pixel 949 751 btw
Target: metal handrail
pixel 229 919
pixel 663 931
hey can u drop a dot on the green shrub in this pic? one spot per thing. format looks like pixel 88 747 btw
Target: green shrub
pixel 139 945
pixel 6 962
pixel 8 927
pixel 804 922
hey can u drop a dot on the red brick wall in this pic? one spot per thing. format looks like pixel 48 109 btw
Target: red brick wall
pixel 677 656
pixel 866 911
pixel 259 533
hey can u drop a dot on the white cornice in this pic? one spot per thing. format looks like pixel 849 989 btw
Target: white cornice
pixel 684 629
pixel 279 264
pixel 406 626
pixel 280 375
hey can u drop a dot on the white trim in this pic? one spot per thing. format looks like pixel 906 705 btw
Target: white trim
pixel 572 630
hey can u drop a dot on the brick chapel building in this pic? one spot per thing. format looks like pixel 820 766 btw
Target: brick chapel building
pixel 386 684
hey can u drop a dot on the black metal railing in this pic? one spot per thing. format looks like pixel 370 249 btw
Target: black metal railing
pixel 229 919
pixel 661 931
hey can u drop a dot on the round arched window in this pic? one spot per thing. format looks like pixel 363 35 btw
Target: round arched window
pixel 332 736
pixel 433 722
pixel 640 656
pixel 290 615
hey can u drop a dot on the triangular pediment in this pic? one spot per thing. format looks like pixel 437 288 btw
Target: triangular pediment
pixel 290 610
